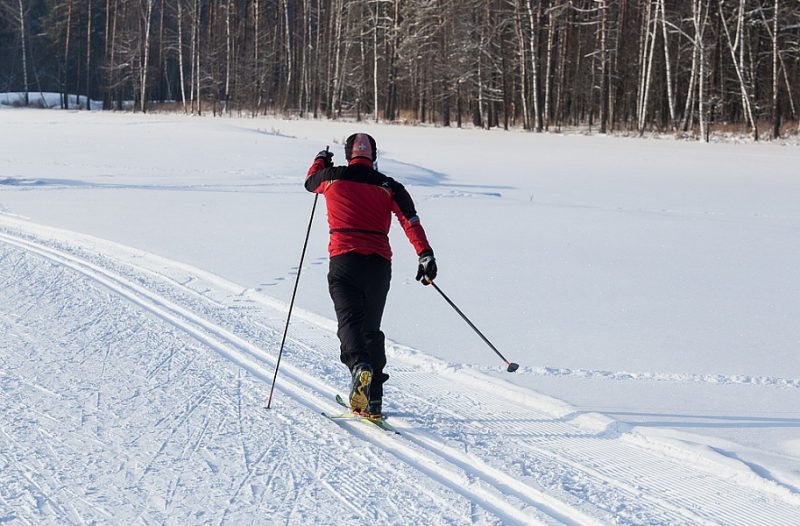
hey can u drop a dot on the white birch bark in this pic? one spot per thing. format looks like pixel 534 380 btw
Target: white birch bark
pixel 701 99
pixel 181 75
pixel 256 58
pixel 773 35
pixel 289 64
pixel 193 61
pixel 534 68
pixel 375 23
pixel 65 94
pixel 24 51
pixel 548 68
pixel 521 45
pixel 146 61
pixel 650 44
pixel 198 86
pixel 738 66
pixel 336 67
pixel 776 118
pixel 88 55
pixel 603 68
pixel 670 97
pixel 227 55
pixel 688 111
pixel 643 46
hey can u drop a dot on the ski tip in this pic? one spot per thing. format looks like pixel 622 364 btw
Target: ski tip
pixel 512 367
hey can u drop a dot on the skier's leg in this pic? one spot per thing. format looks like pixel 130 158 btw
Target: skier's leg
pixel 375 301
pixel 348 301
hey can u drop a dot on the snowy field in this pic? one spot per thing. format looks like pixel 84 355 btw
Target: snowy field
pixel 648 289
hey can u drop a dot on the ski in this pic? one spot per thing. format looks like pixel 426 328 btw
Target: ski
pixel 380 424
pixel 375 422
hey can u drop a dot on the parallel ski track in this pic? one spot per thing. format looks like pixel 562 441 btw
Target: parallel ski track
pixel 557 451
pixel 492 487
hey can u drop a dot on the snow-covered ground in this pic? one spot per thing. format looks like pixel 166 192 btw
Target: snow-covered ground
pixel 647 288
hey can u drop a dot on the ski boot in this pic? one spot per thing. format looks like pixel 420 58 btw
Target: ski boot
pixel 375 410
pixel 359 392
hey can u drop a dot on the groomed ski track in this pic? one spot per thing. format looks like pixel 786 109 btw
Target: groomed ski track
pixel 134 391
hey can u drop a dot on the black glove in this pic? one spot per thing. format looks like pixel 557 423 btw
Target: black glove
pixel 326 156
pixel 426 272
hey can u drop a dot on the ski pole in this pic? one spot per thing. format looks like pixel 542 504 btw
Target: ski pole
pixel 294 293
pixel 511 365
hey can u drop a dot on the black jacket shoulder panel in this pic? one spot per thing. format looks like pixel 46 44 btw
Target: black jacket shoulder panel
pixel 363 174
pixel 355 173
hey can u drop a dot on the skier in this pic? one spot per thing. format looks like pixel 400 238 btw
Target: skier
pixel 360 201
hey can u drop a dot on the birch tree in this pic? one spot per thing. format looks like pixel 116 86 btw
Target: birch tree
pixel 629 65
pixel 738 62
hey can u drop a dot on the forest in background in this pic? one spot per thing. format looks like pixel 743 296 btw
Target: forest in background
pixel 638 66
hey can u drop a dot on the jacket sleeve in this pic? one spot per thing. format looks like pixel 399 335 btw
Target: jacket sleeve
pixel 316 176
pixel 403 208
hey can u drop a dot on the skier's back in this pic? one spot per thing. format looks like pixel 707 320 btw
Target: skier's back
pixel 360 201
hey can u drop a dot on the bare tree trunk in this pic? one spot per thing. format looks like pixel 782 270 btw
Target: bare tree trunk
pixel 110 33
pixel 24 51
pixel 773 35
pixel 612 88
pixel 391 97
pixel 192 53
pixel 700 18
pixel 375 25
pixel 302 92
pixel 701 100
pixel 64 90
pixel 738 63
pixel 650 45
pixel 289 64
pixel 670 97
pixel 337 57
pixel 688 112
pixel 548 69
pixel 147 24
pixel 643 46
pixel 523 59
pixel 227 57
pixel 561 67
pixel 580 109
pixel 776 116
pixel 482 113
pixel 603 68
pixel 162 67
pixel 78 56
pixel 180 54
pixel 256 57
pixel 88 53
pixel 196 59
pixel 534 43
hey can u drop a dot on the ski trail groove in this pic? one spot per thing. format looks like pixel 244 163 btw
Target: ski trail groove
pixel 252 359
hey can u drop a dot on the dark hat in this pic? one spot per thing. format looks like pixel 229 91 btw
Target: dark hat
pixel 360 145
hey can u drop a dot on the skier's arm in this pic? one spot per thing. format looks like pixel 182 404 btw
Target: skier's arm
pixel 317 172
pixel 403 208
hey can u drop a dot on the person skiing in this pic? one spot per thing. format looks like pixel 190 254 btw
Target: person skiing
pixel 360 201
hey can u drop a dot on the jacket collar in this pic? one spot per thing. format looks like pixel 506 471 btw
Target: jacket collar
pixel 361 161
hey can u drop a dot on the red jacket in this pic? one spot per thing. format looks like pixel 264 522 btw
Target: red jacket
pixel 360 201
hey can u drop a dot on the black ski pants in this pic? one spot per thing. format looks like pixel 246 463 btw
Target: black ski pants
pixel 358 285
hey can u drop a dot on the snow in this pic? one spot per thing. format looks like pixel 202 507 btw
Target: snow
pixel 647 288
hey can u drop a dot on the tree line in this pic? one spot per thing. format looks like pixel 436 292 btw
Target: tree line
pixel 681 66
